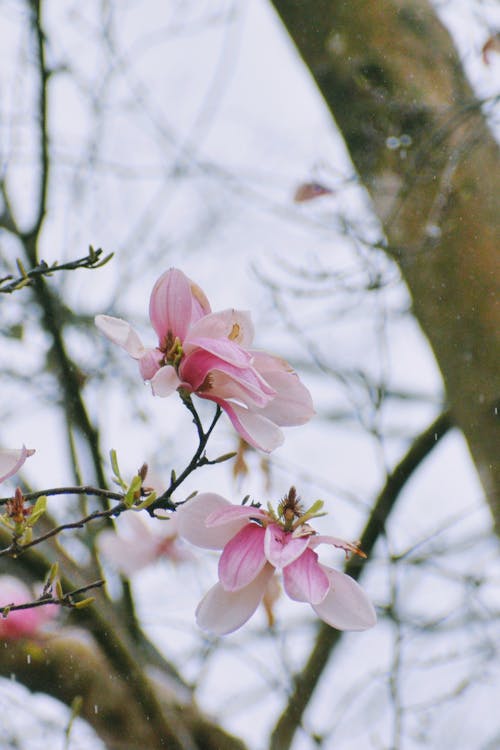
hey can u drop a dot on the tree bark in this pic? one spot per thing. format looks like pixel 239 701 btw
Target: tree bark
pixel 389 68
pixel 70 664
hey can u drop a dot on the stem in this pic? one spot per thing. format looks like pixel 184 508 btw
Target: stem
pixel 65 600
pixel 92 260
pixel 71 490
pixel 196 462
pixel 16 549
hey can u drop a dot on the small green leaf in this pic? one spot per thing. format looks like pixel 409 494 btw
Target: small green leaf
pixel 116 469
pixel 145 503
pixel 38 510
pixel 225 457
pixel 53 573
pixel 135 487
pixel 59 589
pixel 84 602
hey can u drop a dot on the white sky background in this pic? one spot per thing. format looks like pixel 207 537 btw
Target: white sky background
pixel 180 131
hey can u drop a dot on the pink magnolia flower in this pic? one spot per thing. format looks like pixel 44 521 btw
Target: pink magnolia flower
pixel 255 543
pixel 140 541
pixel 22 623
pixel 12 460
pixel 209 354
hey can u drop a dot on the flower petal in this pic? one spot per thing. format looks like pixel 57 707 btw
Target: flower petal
pixel 221 612
pixel 176 302
pixel 234 325
pixel 126 555
pixel 281 547
pixel 336 542
pixel 23 623
pixel 212 376
pixel 12 460
pixel 346 606
pixel 120 332
pixel 305 580
pixel 242 558
pixel 149 363
pixel 192 518
pixel 255 429
pixel 233 513
pixel 165 381
pixel 292 404
pixel 243 387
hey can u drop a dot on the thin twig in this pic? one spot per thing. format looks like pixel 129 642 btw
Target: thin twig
pixel 73 490
pixel 198 460
pixel 92 260
pixel 65 601
pixel 16 549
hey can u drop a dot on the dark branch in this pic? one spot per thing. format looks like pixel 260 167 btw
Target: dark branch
pixel 66 600
pixel 199 459
pixel 92 260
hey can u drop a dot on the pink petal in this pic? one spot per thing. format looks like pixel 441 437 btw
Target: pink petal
pixel 149 363
pixel 234 325
pixel 281 547
pixel 12 460
pixel 120 332
pixel 335 542
pixel 292 404
pixel 221 612
pixel 222 350
pixel 255 429
pixel 22 623
pixel 171 307
pixel 346 606
pixel 233 513
pixel 242 558
pixel 209 376
pixel 165 381
pixel 269 363
pixel 126 555
pixel 201 305
pixel 305 580
pixel 192 521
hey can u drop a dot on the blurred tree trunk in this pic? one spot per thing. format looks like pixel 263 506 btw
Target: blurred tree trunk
pixel 70 665
pixel 389 68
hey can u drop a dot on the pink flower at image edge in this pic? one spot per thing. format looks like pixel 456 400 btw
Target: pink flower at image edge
pixel 209 354
pixel 254 546
pixel 12 460
pixel 22 623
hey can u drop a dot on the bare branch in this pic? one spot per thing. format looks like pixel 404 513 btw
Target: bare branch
pixel 92 260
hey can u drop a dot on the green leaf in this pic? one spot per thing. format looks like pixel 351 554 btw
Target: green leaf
pixel 135 487
pixel 38 510
pixel 53 573
pixel 145 503
pixel 84 602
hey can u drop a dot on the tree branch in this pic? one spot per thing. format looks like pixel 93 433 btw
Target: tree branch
pixel 91 260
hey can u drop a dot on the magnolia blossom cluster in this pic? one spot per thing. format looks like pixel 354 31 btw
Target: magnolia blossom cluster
pixel 258 543
pixel 210 354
